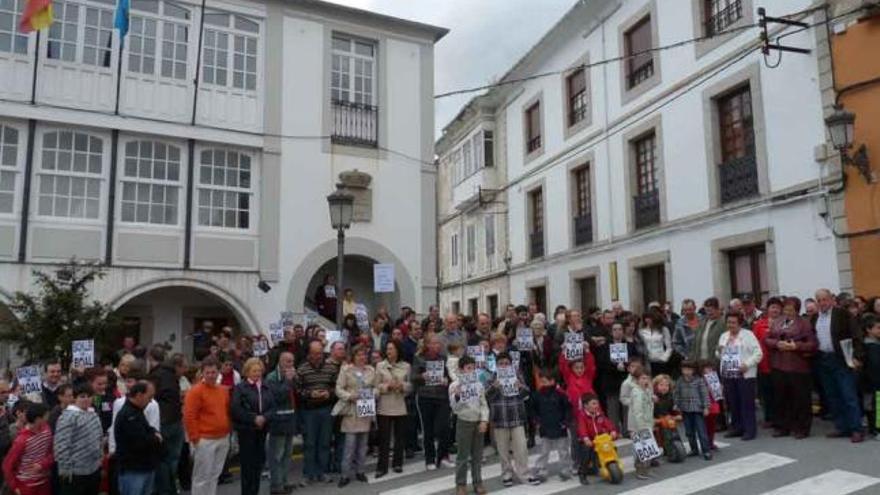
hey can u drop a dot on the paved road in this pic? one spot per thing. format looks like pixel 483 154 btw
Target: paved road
pixel 765 466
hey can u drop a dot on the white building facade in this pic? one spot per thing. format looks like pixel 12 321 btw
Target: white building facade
pixel 639 174
pixel 200 166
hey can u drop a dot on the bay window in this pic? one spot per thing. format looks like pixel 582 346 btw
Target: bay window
pixel 151 183
pixel 225 189
pixel 70 175
pixel 11 39
pixel 9 151
pixel 229 56
pixel 158 38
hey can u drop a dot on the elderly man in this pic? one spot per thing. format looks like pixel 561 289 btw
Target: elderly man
pixel 840 354
pixel 483 330
pixel 452 333
pixel 316 380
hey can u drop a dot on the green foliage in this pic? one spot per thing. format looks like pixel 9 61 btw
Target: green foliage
pixel 58 311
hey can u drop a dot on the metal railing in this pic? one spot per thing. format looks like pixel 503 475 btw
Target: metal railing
pixel 646 208
pixel 533 144
pixel 583 229
pixel 536 244
pixel 738 178
pixel 355 124
pixel 639 74
pixel 719 21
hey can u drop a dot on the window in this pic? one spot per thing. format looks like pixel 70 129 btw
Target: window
pixel 455 163
pixel 639 62
pixel 492 303
pixel 748 272
pixel 154 24
pixel 475 153
pixel 353 70
pixel 456 307
pixel 63 32
pixel 473 307
pixel 11 39
pixel 151 183
pixel 230 51
pixel 467 155
pixel 536 235
pixel 738 172
pixel 225 189
pixel 533 128
pixel 82 32
pixel 70 175
pixel 721 14
pixel 653 280
pixel 576 88
pixel 471 244
pixel 454 250
pixel 583 218
pixel 488 149
pixel 587 294
pixel 489 224
pixel 9 147
pixel 538 295
pixel 98 37
pixel 647 197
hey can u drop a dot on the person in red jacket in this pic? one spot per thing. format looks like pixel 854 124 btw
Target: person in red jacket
pixel 578 376
pixel 591 422
pixel 761 328
pixel 26 467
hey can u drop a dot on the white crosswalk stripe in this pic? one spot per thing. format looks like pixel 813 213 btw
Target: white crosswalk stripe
pixel 835 482
pixel 713 476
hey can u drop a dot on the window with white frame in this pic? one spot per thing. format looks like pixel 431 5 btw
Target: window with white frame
pixel 151 183
pixel 454 250
pixel 70 175
pixel 468 157
pixel 455 165
pixel 98 37
pixel 230 51
pixel 153 25
pixel 353 70
pixel 11 39
pixel 9 146
pixel 471 244
pixel 63 32
pixel 82 32
pixel 475 153
pixel 489 225
pixel 225 189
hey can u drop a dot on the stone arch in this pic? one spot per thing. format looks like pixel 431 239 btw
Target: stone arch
pixel 354 246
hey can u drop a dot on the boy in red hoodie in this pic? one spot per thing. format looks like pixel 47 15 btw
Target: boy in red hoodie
pixel 591 422
pixel 26 467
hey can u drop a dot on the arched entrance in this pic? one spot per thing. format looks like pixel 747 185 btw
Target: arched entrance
pixel 169 311
pixel 358 277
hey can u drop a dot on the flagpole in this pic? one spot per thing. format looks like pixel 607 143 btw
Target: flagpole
pixel 36 66
pixel 119 73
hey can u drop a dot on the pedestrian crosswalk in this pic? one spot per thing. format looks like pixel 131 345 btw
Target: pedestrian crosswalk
pixel 836 482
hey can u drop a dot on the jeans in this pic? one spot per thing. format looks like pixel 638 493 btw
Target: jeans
pixel 470 452
pixel 739 394
pixel 135 482
pixel 839 383
pixel 434 414
pixel 252 452
pixel 695 427
pixel 317 429
pixel 166 471
pixel 209 455
pixel 390 426
pixel 280 449
pixel 355 454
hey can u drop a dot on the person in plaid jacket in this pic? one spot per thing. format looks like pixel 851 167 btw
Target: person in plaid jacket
pixel 507 413
pixel 692 398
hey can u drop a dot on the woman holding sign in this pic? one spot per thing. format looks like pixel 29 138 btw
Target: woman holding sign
pixel 392 380
pixel 739 353
pixel 355 389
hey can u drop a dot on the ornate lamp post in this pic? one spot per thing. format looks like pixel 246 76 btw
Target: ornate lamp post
pixel 341 211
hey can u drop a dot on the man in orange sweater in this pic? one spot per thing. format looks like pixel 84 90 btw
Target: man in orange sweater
pixel 206 418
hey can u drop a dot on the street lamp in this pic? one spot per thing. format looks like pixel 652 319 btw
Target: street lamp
pixel 341 210
pixel 841 126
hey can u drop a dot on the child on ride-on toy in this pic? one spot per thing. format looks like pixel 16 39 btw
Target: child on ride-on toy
pixel 591 422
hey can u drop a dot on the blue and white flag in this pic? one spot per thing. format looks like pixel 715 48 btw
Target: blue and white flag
pixel 122 14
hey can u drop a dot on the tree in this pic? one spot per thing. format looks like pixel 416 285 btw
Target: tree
pixel 58 311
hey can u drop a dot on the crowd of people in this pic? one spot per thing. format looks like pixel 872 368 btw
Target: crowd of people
pixel 149 421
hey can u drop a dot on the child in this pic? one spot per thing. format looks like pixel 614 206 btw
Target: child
pixel 633 367
pixel 26 467
pixel 578 377
pixel 640 416
pixel 472 420
pixel 552 412
pixel 663 399
pixel 455 352
pixel 872 370
pixel 507 411
pixel 591 423
pixel 692 399
pixel 715 399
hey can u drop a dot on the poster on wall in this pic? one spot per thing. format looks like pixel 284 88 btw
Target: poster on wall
pixel 383 277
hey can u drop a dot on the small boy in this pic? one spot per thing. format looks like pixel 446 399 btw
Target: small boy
pixel 664 403
pixel 716 396
pixel 692 399
pixel 872 371
pixel 468 401
pixel 640 416
pixel 507 410
pixel 591 422
pixel 634 366
pixel 26 467
pixel 552 412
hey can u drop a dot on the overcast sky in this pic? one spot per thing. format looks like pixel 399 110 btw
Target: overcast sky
pixel 485 38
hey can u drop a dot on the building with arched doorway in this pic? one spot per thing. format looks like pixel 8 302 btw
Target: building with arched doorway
pixel 200 179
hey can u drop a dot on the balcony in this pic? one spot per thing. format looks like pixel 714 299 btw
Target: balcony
pixel 533 144
pixel 583 229
pixel 639 74
pixel 646 208
pixel 355 124
pixel 536 244
pixel 717 22
pixel 738 179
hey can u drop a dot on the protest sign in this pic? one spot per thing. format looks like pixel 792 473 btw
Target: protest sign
pixel 714 385
pixel 276 333
pixel 573 346
pixel 29 380
pixel 470 388
pixel 507 379
pixel 261 347
pixel 83 354
pixel 383 277
pixel 525 340
pixel 645 446
pixel 434 372
pixel 619 353
pixel 365 406
pixel 476 352
pixel 730 362
pixel 514 359
pixel 362 316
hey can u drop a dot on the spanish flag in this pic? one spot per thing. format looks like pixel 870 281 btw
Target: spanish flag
pixel 37 15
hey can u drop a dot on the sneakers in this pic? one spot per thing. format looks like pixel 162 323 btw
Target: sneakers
pixel 430 466
pixel 446 463
pixel 361 477
pixel 397 469
pixel 535 481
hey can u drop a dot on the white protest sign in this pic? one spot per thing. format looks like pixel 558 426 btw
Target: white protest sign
pixel 508 381
pixel 573 346
pixel 330 291
pixel 286 319
pixel 363 318
pixel 333 336
pixel 619 353
pixel 383 277
pixel 490 362
pixel 434 372
pixel 645 446
pixel 83 353
pixel 846 347
pixel 514 359
pixel 276 333
pixel 261 347
pixel 479 355
pixel 525 339
pixel 309 318
pixel 714 385
pixel 366 404
pixel 29 380
pixel 470 388
pixel 730 362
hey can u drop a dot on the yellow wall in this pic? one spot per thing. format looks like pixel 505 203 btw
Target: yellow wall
pixel 856 59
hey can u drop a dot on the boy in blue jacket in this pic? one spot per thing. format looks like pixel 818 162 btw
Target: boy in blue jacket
pixel 552 412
